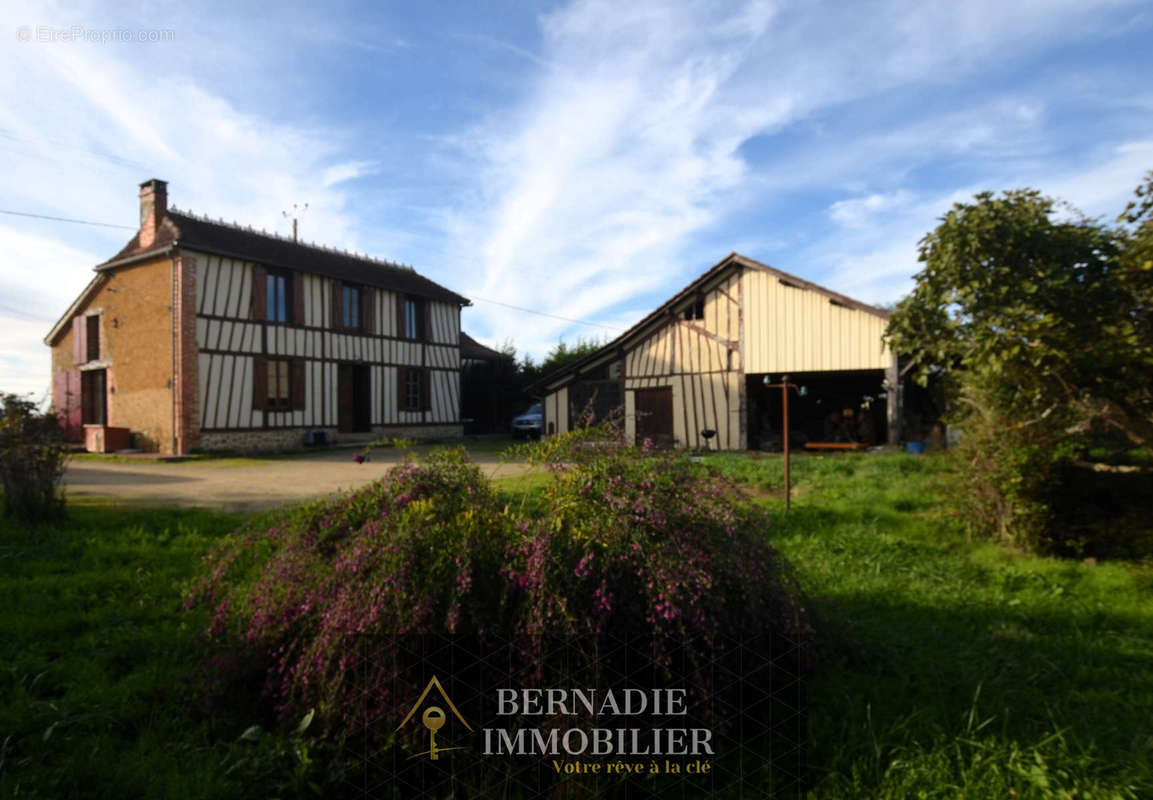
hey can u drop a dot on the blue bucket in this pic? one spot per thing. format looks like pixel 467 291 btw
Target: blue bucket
pixel 915 448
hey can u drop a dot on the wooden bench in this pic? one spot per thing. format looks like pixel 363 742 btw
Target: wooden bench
pixel 836 446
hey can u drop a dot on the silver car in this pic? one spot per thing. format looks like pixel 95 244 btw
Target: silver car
pixel 528 424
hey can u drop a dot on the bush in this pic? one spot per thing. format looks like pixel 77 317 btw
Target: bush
pixel 627 558
pixel 32 461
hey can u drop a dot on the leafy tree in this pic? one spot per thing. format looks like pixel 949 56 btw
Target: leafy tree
pixel 1041 327
pixel 1055 313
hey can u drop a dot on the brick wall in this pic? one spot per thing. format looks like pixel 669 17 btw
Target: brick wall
pixel 136 345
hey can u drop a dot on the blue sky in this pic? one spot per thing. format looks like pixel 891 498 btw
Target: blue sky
pixel 583 159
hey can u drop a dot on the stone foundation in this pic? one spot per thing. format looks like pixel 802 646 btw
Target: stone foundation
pixel 275 439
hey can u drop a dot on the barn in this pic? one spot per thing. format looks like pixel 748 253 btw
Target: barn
pixel 201 334
pixel 701 370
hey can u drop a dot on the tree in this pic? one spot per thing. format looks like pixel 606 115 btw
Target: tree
pixel 1055 313
pixel 1041 328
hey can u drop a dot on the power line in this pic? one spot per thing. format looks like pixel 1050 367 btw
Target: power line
pixel 544 314
pixel 66 219
pixel 482 299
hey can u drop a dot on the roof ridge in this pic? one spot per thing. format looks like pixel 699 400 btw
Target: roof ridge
pixel 274 235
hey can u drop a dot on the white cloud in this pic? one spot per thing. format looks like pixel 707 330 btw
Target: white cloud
pixel 858 212
pixel 628 146
pixel 875 258
pixel 88 122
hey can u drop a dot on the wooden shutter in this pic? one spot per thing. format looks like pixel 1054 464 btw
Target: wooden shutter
pixel 259 293
pixel 79 340
pixel 399 315
pixel 297 385
pixel 296 286
pixel 337 305
pixel 400 381
pixel 367 309
pixel 425 389
pixel 259 383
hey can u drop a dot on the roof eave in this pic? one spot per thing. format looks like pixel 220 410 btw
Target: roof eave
pixel 61 324
pixel 136 257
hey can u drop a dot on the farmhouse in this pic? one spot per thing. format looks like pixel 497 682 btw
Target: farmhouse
pixel 200 334
pixel 701 371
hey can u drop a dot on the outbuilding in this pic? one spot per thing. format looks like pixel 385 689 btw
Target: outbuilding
pixel 702 370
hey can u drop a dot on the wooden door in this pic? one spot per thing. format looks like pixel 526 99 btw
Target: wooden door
pixel 654 409
pixel 362 403
pixel 346 399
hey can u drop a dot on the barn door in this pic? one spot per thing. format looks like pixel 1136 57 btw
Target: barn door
pixel 654 408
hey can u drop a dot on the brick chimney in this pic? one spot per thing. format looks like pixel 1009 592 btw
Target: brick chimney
pixel 153 206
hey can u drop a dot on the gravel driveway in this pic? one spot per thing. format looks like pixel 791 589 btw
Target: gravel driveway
pixel 242 484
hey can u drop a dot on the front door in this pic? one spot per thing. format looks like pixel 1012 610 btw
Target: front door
pixel 346 399
pixel 654 408
pixel 354 399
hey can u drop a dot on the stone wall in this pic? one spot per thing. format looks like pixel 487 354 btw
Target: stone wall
pixel 275 439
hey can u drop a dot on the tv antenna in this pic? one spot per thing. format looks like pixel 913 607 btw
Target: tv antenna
pixel 297 212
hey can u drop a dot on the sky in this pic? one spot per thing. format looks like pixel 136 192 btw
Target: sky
pixel 584 160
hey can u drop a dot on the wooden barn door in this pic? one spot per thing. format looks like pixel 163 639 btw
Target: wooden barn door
pixel 654 408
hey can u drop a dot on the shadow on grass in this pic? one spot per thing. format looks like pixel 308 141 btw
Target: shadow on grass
pixel 940 666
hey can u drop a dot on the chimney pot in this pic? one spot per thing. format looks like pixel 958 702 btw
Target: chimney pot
pixel 153 207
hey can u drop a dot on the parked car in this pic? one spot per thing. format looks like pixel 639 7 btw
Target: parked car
pixel 528 424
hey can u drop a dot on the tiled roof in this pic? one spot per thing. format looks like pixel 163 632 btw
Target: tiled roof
pixel 185 230
pixel 470 348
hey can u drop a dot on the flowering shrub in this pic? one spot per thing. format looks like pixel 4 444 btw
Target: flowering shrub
pixel 651 550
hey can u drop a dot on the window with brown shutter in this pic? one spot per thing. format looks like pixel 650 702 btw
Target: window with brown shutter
pixel 413 383
pixel 425 390
pixel 92 337
pixel 259 293
pixel 79 333
pixel 259 383
pixel 297 292
pixel 279 392
pixel 367 309
pixel 298 385
pixel 277 296
pixel 350 307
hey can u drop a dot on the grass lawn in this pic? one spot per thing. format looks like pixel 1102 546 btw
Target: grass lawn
pixel 954 668
pixel 947 668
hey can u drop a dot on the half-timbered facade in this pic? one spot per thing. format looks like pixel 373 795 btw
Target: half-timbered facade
pixel 204 335
pixel 699 371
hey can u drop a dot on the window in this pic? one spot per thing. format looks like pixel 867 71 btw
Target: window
pixel 413 384
pixel 350 307
pixel 279 385
pixel 413 318
pixel 94 397
pixel 277 299
pixel 93 337
pixel 696 310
